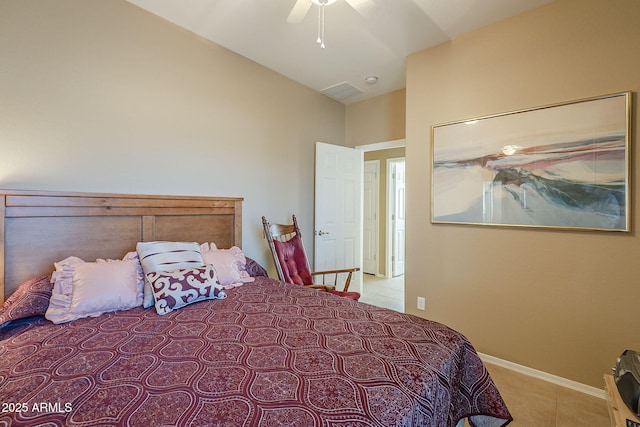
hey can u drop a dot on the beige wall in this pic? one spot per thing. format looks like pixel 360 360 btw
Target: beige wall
pixel 382 156
pixel 99 95
pixel 378 119
pixel 564 302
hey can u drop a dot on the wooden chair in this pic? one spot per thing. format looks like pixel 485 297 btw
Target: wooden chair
pixel 291 260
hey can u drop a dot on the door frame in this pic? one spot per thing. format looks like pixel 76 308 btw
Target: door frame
pixel 390 212
pixel 376 221
pixel 396 143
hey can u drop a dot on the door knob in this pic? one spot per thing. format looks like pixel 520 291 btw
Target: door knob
pixel 322 233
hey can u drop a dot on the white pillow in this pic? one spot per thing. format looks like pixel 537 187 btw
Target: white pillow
pixel 166 256
pixel 89 289
pixel 230 264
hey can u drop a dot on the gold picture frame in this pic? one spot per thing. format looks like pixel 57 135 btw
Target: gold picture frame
pixel 563 166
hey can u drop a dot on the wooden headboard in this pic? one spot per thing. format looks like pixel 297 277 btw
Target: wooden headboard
pixel 38 228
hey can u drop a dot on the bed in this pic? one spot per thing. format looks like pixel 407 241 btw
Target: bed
pixel 267 354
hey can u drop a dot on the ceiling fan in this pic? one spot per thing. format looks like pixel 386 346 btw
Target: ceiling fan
pixel 301 8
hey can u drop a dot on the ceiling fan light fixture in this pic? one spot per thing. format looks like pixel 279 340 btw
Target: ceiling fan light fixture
pixel 321 5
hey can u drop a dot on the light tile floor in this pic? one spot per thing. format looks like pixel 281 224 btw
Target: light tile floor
pixel 387 293
pixel 532 402
pixel 537 403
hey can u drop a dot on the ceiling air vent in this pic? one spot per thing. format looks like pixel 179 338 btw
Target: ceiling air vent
pixel 341 91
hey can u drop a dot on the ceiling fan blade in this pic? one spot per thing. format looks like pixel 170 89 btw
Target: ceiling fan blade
pixel 365 8
pixel 299 11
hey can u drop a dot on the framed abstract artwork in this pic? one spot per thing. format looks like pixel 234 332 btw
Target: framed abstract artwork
pixel 560 166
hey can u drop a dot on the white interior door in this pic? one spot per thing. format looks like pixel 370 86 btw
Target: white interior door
pixel 338 210
pixel 398 219
pixel 370 223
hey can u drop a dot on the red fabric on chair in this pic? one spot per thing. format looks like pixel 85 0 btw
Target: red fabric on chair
pixel 293 261
pixel 296 268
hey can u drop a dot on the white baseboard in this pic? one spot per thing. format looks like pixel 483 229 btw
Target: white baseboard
pixel 574 385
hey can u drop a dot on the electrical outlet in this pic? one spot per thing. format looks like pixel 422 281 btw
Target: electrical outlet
pixel 421 303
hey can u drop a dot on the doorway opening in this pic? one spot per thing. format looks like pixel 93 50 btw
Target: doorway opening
pixel 383 225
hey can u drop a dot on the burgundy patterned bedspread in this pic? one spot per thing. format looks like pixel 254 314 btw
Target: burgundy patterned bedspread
pixel 271 354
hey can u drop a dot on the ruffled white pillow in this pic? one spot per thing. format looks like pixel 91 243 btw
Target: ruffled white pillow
pixel 230 264
pixel 89 289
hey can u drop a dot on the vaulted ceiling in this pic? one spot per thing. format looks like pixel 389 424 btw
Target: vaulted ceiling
pixel 363 38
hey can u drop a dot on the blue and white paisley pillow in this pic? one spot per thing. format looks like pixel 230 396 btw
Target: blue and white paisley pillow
pixel 175 289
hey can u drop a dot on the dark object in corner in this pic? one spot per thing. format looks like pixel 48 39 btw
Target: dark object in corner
pixel 627 376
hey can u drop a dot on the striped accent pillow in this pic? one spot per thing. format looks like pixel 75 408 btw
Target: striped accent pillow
pixel 166 256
